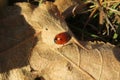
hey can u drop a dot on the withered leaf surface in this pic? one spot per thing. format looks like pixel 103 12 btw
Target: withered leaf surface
pixel 28 50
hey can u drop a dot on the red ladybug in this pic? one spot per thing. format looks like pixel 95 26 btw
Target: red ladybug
pixel 62 38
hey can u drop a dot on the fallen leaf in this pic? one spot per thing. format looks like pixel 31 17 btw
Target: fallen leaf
pixel 28 50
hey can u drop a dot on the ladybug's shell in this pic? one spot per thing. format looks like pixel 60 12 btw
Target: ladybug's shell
pixel 62 38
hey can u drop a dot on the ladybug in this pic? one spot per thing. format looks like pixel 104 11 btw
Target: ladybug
pixel 62 38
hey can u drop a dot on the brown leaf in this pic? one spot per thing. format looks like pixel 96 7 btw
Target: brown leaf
pixel 28 50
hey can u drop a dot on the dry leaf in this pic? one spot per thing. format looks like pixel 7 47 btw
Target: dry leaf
pixel 28 50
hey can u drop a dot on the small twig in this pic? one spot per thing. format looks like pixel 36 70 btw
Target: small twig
pixel 108 21
pixel 73 11
pixel 107 26
pixel 113 10
pixel 106 17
